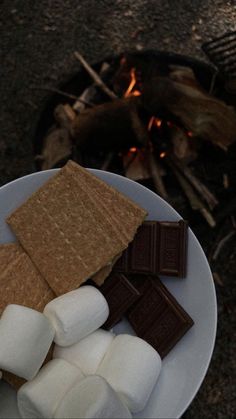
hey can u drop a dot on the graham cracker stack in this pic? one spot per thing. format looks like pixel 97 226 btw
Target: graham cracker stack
pixel 20 281
pixel 123 211
pixel 75 225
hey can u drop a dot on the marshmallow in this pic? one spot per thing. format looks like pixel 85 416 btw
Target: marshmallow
pixel 26 336
pixel 88 353
pixel 40 397
pixel 131 366
pixel 77 314
pixel 92 398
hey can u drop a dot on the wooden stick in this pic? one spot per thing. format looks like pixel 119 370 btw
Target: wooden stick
pixel 203 191
pixel 155 170
pixel 96 78
pixel 195 202
pixel 62 93
pixel 221 243
pixel 89 93
pixel 108 160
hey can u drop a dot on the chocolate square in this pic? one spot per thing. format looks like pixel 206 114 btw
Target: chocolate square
pixel 158 318
pixel 158 248
pixel 120 295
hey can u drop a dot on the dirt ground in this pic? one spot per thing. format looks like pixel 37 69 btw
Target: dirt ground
pixel 37 41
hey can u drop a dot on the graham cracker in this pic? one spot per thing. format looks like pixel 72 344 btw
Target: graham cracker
pixel 123 212
pixel 20 281
pixel 100 276
pixel 65 231
pixel 12 379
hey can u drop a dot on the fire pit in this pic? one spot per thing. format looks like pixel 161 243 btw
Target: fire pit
pixel 157 118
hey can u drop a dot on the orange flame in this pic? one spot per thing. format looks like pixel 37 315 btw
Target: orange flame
pixel 133 149
pixel 162 155
pixel 133 81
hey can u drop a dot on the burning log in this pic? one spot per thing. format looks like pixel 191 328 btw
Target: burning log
pixel 111 126
pixel 204 115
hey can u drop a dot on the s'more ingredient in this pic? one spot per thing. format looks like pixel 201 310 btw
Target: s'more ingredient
pixel 12 379
pixel 92 397
pixel 131 366
pixel 26 336
pixel 77 314
pixel 157 317
pixel 70 230
pixel 159 248
pixel 20 281
pixel 120 295
pixel 40 397
pixel 15 381
pixel 88 353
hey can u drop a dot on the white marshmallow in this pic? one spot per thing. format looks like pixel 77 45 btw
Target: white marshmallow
pixel 92 398
pixel 77 314
pixel 131 366
pixel 88 353
pixel 25 336
pixel 40 397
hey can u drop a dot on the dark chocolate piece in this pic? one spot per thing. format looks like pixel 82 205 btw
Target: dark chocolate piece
pixel 120 295
pixel 158 318
pixel 173 248
pixel 159 248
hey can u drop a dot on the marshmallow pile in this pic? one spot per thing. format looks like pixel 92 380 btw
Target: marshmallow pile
pixel 93 373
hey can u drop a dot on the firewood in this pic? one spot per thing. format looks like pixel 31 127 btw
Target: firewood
pixel 183 146
pixel 206 195
pixel 96 78
pixel 64 116
pixel 205 116
pixel 195 202
pixel 87 96
pixel 136 165
pixel 112 126
pixel 110 156
pixel 155 170
pixel 57 147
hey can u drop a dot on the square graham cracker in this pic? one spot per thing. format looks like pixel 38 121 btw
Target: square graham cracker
pixel 123 212
pixel 20 281
pixel 67 233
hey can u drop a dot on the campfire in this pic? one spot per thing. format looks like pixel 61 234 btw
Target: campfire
pixel 146 120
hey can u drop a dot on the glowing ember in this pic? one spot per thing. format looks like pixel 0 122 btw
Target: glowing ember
pixel 162 155
pixel 189 134
pixel 154 121
pixel 158 122
pixel 133 149
pixel 133 81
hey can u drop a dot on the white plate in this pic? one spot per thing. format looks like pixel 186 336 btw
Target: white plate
pixel 185 366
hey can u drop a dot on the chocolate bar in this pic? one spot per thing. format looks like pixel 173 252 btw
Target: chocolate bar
pixel 120 295
pixel 159 248
pixel 157 317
